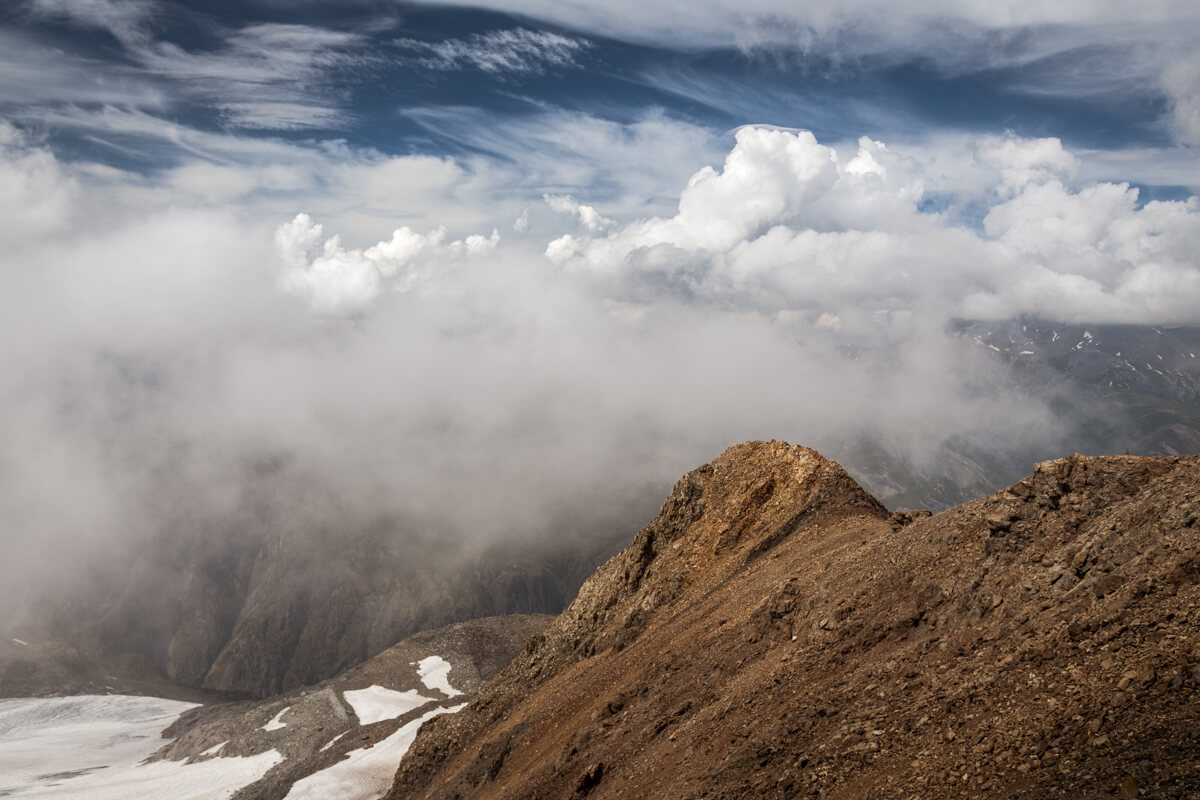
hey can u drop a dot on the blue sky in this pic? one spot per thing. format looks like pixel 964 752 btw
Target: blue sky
pixel 380 74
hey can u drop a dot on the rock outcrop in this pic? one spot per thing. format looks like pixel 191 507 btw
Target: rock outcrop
pixel 776 633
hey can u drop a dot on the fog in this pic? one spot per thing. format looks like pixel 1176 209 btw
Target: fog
pixel 191 350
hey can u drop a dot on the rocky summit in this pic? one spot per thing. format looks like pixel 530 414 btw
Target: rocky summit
pixel 776 633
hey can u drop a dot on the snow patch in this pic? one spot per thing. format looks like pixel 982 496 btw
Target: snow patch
pixel 364 774
pixel 434 672
pixel 275 724
pixel 92 747
pixel 216 748
pixel 376 703
pixel 331 742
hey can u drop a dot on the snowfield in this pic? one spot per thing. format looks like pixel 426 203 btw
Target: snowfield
pixel 435 674
pixel 376 703
pixel 95 747
pixel 275 723
pixel 364 774
pixel 91 748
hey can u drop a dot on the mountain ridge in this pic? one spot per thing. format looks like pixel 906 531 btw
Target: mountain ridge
pixel 1030 643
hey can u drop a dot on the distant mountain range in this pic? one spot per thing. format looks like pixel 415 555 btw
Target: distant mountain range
pixel 1111 388
pixel 1139 385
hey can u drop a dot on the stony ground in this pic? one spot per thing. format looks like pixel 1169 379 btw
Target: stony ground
pixel 776 633
pixel 318 715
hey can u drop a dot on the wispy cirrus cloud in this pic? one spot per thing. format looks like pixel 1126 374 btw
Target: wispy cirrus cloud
pixel 264 76
pixel 1110 50
pixel 126 20
pixel 500 52
pixel 267 75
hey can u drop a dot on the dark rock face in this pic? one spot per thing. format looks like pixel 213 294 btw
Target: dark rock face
pixel 259 613
pixel 776 633
pixel 301 623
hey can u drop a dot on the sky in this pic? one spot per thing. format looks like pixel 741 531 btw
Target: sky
pixel 429 257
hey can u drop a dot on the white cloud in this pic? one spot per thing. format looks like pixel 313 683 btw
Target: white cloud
pixel 587 215
pixel 266 75
pixel 709 23
pixel 35 195
pixel 500 52
pixel 632 169
pixel 1022 161
pixel 66 78
pixel 1181 82
pixel 338 281
pixel 261 76
pixel 788 224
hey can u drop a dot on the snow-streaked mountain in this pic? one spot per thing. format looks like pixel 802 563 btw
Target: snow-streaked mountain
pixel 1110 389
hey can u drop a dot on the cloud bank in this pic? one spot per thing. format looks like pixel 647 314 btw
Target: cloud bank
pixel 790 225
pixel 184 352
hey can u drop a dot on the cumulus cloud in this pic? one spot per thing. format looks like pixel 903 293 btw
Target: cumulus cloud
pixel 518 50
pixel 588 216
pixel 789 224
pixel 1024 161
pixel 341 282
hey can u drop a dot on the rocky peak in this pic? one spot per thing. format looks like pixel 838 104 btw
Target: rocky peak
pixel 716 519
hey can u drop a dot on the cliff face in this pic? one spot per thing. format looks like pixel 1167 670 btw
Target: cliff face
pixel 775 632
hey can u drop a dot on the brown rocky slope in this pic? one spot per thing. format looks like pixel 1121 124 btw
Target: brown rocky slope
pixel 775 632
